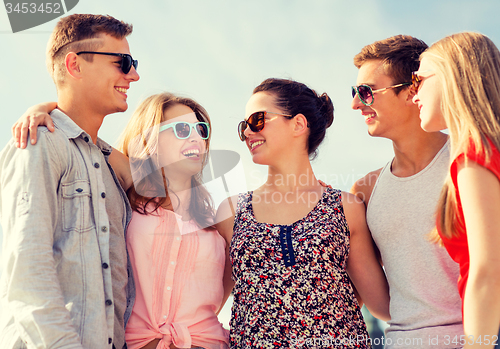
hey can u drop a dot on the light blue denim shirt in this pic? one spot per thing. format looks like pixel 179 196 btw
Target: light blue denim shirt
pixel 56 286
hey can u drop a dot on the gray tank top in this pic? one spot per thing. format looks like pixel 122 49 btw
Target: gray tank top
pixel 425 303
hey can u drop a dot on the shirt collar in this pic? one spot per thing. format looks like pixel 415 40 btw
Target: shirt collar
pixel 67 126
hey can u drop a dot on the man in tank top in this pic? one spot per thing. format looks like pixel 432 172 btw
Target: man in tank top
pixel 401 199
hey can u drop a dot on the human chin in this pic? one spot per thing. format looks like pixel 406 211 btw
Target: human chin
pixel 431 123
pixel 122 107
pixel 181 168
pixel 372 130
pixel 121 104
pixel 261 158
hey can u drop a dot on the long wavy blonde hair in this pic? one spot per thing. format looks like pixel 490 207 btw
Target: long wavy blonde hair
pixel 139 141
pixel 468 67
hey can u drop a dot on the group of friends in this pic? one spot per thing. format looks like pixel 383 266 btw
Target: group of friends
pixel 123 248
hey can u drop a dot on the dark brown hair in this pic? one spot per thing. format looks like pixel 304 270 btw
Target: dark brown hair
pixel 296 98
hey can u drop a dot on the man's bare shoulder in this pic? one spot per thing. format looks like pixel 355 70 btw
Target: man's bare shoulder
pixel 363 187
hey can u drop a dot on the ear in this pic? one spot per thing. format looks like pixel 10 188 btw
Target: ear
pixel 72 64
pixel 409 96
pixel 300 124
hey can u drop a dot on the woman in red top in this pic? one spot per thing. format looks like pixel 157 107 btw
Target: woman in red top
pixel 458 87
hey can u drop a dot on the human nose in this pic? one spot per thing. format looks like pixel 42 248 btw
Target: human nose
pixel 248 131
pixel 415 99
pixel 194 136
pixel 356 102
pixel 133 75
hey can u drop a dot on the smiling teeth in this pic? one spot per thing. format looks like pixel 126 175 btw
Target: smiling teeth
pixel 121 89
pixel 368 116
pixel 191 152
pixel 254 144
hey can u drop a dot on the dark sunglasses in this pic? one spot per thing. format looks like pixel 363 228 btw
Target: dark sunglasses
pixel 183 129
pixel 417 80
pixel 256 122
pixel 365 92
pixel 126 63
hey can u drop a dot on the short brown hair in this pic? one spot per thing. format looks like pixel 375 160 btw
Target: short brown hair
pixel 399 54
pixel 72 33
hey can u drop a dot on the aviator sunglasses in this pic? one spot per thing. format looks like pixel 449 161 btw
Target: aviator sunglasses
pixel 365 92
pixel 183 129
pixel 126 63
pixel 256 122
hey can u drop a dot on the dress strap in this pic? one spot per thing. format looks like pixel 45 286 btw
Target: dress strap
pixel 244 200
pixel 324 184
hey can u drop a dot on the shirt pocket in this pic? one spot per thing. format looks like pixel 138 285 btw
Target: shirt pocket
pixel 77 206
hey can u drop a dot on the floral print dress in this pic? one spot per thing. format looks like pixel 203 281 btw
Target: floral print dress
pixel 291 285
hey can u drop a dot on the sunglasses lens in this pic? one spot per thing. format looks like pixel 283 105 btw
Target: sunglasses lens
pixel 256 121
pixel 365 94
pixel 202 130
pixel 353 91
pixel 182 130
pixel 126 64
pixel 242 126
pixel 415 80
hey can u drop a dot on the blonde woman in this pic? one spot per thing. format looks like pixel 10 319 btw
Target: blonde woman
pixel 177 256
pixel 458 87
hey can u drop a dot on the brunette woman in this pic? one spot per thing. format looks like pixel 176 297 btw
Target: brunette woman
pixel 294 241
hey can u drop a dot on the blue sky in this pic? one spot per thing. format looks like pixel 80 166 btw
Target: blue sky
pixel 217 51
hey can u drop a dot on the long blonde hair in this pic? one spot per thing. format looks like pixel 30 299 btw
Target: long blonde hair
pixel 139 141
pixel 468 67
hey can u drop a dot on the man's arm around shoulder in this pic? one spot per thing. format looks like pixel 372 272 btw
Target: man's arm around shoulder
pixel 31 294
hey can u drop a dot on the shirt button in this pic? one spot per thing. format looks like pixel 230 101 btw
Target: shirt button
pixel 110 340
pixel 96 165
pixel 177 238
pixel 172 263
pixel 108 302
pixel 104 229
pixel 103 195
pixel 86 139
pixel 169 288
pixel 105 265
pixel 164 316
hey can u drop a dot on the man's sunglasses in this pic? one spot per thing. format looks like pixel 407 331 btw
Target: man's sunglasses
pixel 256 122
pixel 126 63
pixel 417 80
pixel 183 129
pixel 365 92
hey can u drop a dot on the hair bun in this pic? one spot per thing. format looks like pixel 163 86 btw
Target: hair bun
pixel 294 98
pixel 326 109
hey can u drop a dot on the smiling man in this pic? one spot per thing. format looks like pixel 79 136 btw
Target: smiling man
pixel 401 199
pixel 66 280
